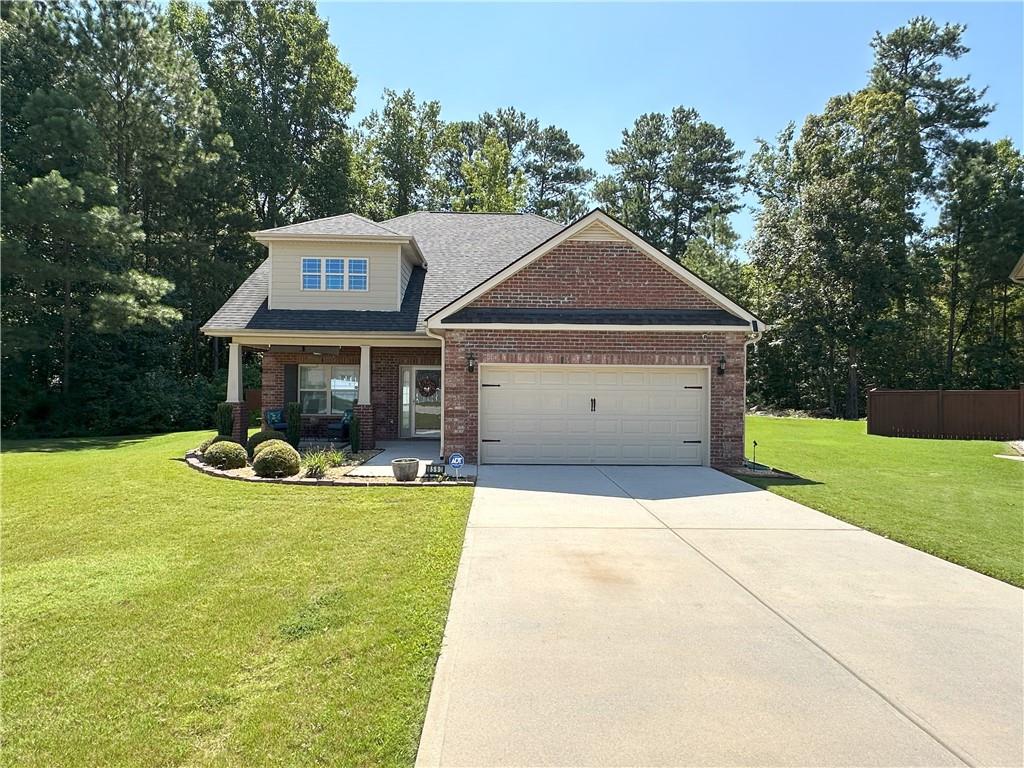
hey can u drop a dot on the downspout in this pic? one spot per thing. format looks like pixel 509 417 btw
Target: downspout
pixel 752 338
pixel 432 335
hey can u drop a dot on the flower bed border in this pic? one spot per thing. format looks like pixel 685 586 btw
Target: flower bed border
pixel 193 460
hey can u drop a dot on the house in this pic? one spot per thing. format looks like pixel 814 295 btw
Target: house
pixel 508 337
pixel 1017 275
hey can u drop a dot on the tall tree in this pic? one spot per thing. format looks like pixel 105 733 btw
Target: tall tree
pixel 670 173
pixel 555 175
pixel 909 62
pixel 284 96
pixel 978 238
pixel 492 184
pixel 399 147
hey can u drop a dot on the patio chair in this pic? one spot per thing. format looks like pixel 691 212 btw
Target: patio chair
pixel 274 419
pixel 340 427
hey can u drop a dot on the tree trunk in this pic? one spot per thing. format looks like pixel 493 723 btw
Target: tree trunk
pixel 66 372
pixel 852 410
pixel 953 306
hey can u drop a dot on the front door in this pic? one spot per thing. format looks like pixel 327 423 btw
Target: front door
pixel 421 401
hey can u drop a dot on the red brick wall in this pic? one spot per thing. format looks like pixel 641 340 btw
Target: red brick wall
pixel 384 382
pixel 595 275
pixel 385 365
pixel 727 398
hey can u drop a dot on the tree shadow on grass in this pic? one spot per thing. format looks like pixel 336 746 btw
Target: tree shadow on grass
pixel 767 482
pixel 64 444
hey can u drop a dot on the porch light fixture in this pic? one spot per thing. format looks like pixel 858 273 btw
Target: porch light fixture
pixel 470 361
pixel 721 365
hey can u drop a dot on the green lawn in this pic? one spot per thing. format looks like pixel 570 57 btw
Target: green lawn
pixel 153 616
pixel 947 497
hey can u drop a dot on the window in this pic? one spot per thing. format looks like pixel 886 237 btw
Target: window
pixel 335 269
pixel 325 389
pixel 329 274
pixel 311 274
pixel 357 274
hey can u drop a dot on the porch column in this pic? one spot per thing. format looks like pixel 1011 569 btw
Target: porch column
pixel 364 405
pixel 364 375
pixel 235 393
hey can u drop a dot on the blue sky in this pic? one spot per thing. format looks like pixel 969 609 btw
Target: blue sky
pixel 593 68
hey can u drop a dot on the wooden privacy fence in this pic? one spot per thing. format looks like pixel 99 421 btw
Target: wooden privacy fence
pixel 955 414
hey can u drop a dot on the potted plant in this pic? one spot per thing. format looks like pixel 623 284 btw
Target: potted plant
pixel 405 469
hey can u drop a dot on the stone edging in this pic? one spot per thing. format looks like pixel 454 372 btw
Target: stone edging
pixel 193 460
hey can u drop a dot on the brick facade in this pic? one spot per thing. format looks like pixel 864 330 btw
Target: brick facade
pixel 727 396
pixel 595 275
pixel 385 366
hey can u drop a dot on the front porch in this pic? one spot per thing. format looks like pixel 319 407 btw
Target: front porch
pixel 393 388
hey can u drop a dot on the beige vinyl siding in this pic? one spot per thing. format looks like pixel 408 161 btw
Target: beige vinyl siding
pixel 286 281
pixel 406 274
pixel 596 231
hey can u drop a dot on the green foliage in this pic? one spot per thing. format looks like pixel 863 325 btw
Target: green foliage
pixel 293 418
pixel 224 419
pixel 316 463
pixel 201 448
pixel 225 454
pixel 492 184
pixel 295 137
pixel 279 460
pixel 355 435
pixel 671 172
pixel 267 444
pixel 261 437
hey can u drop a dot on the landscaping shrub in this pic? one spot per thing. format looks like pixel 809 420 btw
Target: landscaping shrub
pixel 316 463
pixel 224 420
pixel 261 437
pixel 277 461
pixel 201 448
pixel 354 438
pixel 293 415
pixel 267 444
pixel 225 454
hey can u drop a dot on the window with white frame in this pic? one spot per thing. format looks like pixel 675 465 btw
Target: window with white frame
pixel 330 274
pixel 327 389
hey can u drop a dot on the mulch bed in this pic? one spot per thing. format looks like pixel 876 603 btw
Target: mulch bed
pixel 336 476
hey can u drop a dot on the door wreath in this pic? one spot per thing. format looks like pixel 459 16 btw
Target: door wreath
pixel 426 386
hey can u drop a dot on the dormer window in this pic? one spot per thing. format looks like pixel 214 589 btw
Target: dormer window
pixel 330 274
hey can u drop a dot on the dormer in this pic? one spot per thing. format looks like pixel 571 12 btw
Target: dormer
pixel 341 262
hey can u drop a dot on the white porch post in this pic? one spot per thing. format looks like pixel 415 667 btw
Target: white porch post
pixel 235 393
pixel 364 375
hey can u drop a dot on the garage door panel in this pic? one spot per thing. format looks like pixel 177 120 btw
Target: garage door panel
pixel 542 414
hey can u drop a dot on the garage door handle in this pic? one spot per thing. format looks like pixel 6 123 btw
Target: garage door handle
pixel 686 387
pixel 692 442
pixel 490 385
pixel 593 404
pixel 484 440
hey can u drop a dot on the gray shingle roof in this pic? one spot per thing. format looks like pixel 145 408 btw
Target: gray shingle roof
pixel 350 224
pixel 461 250
pixel 569 316
pixel 464 249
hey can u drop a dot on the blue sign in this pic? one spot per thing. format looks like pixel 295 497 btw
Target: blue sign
pixel 456 461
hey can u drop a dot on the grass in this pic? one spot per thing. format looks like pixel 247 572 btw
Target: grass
pixel 155 616
pixel 947 497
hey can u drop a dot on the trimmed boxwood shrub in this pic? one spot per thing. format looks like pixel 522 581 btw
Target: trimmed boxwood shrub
pixel 266 444
pixel 293 417
pixel 201 448
pixel 224 419
pixel 225 454
pixel 261 437
pixel 277 461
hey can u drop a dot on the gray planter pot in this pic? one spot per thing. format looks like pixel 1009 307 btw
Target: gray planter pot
pixel 405 469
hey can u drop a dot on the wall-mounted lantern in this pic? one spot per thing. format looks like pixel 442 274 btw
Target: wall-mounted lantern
pixel 471 361
pixel 721 365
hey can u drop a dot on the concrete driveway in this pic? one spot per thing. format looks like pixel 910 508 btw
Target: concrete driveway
pixel 641 616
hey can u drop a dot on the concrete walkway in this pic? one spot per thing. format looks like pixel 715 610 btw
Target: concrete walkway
pixel 641 616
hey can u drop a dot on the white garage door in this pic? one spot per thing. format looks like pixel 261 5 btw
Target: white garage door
pixel 567 414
